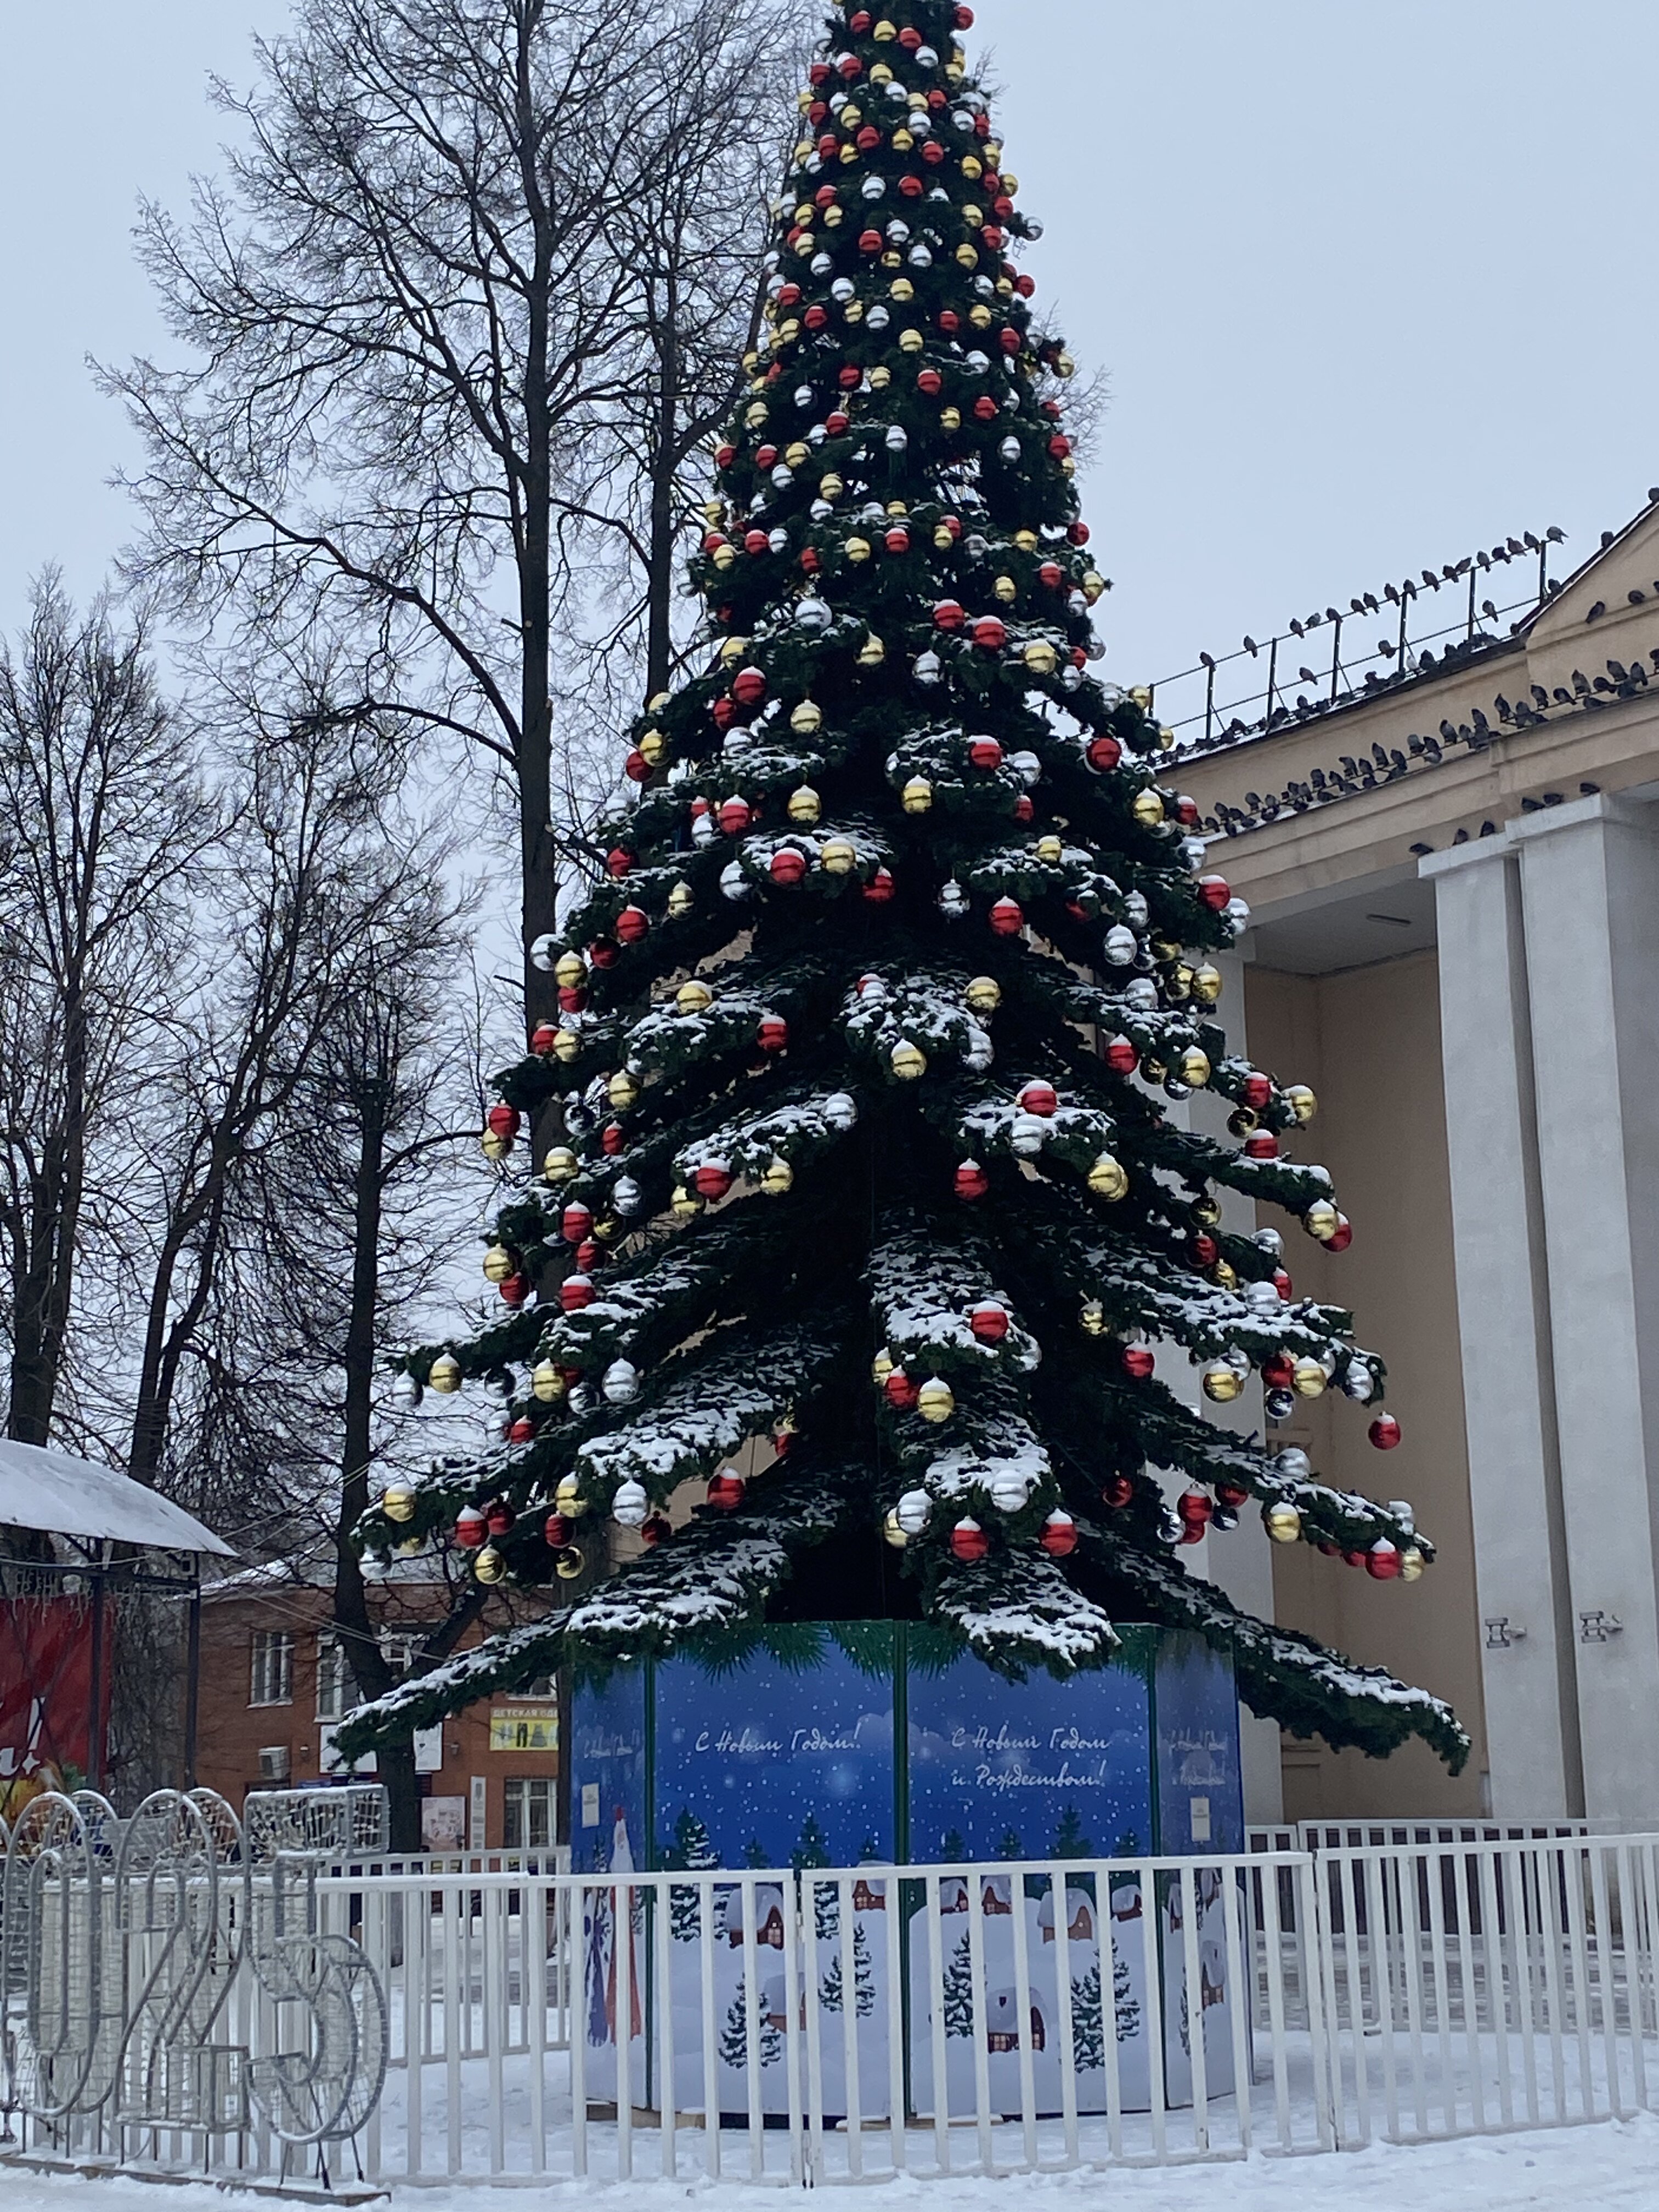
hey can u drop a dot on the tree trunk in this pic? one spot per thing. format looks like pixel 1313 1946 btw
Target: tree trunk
pixel 366 1660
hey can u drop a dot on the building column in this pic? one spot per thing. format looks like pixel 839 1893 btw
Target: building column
pixel 1589 878
pixel 1498 1225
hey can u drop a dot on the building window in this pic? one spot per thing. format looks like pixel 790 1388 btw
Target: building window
pixel 336 1692
pixel 528 1822
pixel 271 1676
pixel 398 1650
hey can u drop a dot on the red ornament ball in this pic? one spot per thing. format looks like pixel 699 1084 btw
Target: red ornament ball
pixel 542 1039
pixel 499 1516
pixel 575 1292
pixel 1104 753
pixel 971 1181
pixel 1215 892
pixel 1196 1508
pixel 618 860
pixel 969 1542
pixel 1138 1362
pixel 1117 1492
pixel 1341 1236
pixel 712 1180
pixel 503 1121
pixel 902 1393
pixel 879 889
pixel 735 816
pixel 1256 1091
pixel 1006 919
pixel 774 1034
pixel 1383 1561
pixel 612 1140
pixel 556 1529
pixel 726 1492
pixel 515 1290
pixel 990 634
pixel 950 614
pixel 1122 1057
pixel 471 1528
pixel 1039 1098
pixel 989 1321
pixel 577 1225
pixel 632 924
pixel 749 686
pixel 1262 1144
pixel 1385 1432
pixel 789 867
pixel 985 752
pixel 1059 1537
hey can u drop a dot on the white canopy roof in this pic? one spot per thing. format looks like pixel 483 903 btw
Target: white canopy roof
pixel 51 1492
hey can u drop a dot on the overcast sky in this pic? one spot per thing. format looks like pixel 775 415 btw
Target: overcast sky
pixel 1373 284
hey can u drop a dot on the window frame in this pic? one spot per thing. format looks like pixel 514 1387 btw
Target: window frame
pixel 264 1644
pixel 522 1795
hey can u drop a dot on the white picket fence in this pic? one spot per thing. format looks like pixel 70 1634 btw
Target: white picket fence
pixel 849 2025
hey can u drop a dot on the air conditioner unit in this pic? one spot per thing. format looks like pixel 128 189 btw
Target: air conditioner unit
pixel 273 1763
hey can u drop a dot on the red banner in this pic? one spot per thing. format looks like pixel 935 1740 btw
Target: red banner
pixel 46 1697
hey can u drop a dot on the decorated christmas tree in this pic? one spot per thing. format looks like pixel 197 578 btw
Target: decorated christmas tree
pixel 857 1200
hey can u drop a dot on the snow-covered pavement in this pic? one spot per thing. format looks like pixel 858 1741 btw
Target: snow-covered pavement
pixel 1614 2168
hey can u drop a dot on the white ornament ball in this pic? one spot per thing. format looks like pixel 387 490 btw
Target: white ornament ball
pixel 1010 1490
pixel 630 1504
pixel 841 1110
pixel 621 1383
pixel 915 1510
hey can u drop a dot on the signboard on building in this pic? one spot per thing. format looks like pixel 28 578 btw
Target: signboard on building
pixel 524 1728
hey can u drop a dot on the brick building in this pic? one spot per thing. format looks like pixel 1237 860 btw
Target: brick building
pixel 274 1690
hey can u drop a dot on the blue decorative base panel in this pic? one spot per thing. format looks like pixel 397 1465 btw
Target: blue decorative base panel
pixel 787 1759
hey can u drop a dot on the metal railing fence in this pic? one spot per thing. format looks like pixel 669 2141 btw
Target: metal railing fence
pixel 842 2025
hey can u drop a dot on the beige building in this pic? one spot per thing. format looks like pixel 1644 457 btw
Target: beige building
pixel 1452 863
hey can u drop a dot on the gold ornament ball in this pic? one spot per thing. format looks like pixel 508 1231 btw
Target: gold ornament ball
pixel 806 718
pixel 1300 1101
pixel 983 995
pixel 547 1384
pixel 1050 851
pixel 622 1090
pixel 890 1531
pixel 909 1060
pixel 972 168
pixel 1223 1275
pixel 693 997
pixel 871 653
pixel 798 455
pixel 981 317
pixel 1222 1382
pixel 1026 540
pixel 1107 1178
pixel 881 1367
pixel 910 341
pixel 936 1401
pixel 1148 808
pixel 968 257
pixel 757 414
pixel 880 379
pixel 779 1177
pixel 1094 586
pixel 566 1047
pixel 1308 1379
pixel 1141 697
pixel 838 857
pixel 445 1376
pixel 653 746
pixel 684 1205
pixel 1006 590
pixel 732 650
pixel 1322 1220
pixel 804 806
pixel 1207 1210
pixel 489 1567
pixel 1041 658
pixel 1412 1563
pixel 902 288
pixel 1092 1319
pixel 830 487
pixel 858 550
pixel 494 1147
pixel 725 556
pixel 560 1165
pixel 681 900
pixel 1283 1524
pixel 918 795
pixel 398 1501
pixel 1207 984
pixel 499 1264
pixel 569 1564
pixel 1195 1069
pixel 570 971
pixel 567 1498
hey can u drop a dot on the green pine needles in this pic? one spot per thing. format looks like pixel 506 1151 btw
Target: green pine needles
pixel 860 1199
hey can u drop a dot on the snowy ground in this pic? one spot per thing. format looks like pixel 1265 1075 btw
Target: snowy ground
pixel 1614 2168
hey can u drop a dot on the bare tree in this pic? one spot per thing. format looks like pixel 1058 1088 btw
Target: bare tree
pixel 103 826
pixel 414 292
pixel 341 1230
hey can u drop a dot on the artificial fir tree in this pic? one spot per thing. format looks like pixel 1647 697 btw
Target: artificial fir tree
pixel 854 1135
